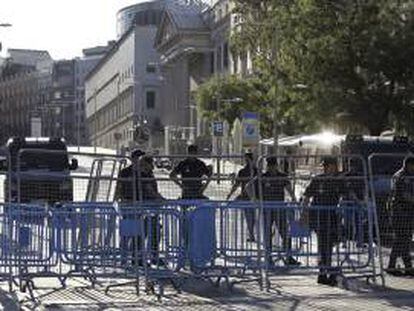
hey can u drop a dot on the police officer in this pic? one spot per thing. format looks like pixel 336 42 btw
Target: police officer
pixel 139 175
pixel 325 190
pixel 243 178
pixel 402 217
pixel 274 183
pixel 125 185
pixel 191 170
pixel 355 224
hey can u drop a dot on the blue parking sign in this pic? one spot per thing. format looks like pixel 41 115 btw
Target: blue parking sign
pixel 250 127
pixel 218 128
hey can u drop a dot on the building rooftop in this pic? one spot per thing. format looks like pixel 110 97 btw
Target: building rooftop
pixel 187 14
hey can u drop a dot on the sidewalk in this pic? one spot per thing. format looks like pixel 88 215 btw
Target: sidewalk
pixel 287 293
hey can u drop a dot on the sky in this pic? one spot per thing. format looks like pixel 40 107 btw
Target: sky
pixel 62 27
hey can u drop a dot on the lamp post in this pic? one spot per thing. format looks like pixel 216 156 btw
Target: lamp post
pixel 59 108
pixel 218 139
pixel 5 25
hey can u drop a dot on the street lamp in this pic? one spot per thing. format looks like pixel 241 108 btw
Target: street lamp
pixel 4 25
pixel 218 138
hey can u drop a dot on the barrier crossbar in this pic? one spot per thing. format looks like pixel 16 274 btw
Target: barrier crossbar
pixel 234 220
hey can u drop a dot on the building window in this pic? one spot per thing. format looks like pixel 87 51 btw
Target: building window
pixel 226 55
pixel 150 99
pixel 212 60
pixel 151 68
pixel 219 59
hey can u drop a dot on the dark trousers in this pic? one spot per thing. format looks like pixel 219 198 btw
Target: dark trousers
pixel 134 245
pixel 403 232
pixel 327 233
pixel 325 246
pixel 250 215
pixel 278 217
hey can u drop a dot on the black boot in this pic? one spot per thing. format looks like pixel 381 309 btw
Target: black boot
pixel 394 271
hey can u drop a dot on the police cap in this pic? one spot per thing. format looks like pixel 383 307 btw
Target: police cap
pixel 136 153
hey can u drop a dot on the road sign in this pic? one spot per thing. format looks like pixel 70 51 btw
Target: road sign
pixel 218 128
pixel 250 129
pixel 36 127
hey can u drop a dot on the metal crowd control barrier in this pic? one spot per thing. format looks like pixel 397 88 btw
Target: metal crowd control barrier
pixel 232 224
pixel 220 235
pixel 395 213
pixel 330 230
pixel 120 241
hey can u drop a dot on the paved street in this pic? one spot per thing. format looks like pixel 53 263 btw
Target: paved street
pixel 288 293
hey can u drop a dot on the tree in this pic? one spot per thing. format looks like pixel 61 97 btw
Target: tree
pixel 226 97
pixel 353 57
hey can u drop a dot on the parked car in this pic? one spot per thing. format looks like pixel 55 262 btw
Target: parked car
pixel 163 163
pixel 38 170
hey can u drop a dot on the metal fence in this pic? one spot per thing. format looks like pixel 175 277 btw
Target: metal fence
pixel 121 218
pixel 392 188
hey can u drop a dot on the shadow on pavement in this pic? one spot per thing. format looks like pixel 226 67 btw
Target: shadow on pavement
pixel 254 298
pixel 9 301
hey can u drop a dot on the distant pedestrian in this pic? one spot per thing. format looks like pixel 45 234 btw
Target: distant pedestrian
pixel 192 175
pixel 274 184
pixel 244 176
pixel 325 190
pixel 402 218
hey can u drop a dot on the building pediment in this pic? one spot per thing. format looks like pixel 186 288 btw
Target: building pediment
pixel 182 28
pixel 166 31
pixel 181 17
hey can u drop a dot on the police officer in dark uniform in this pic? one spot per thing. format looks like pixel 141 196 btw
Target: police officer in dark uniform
pixel 146 187
pixel 191 170
pixel 139 175
pixel 326 190
pixel 274 183
pixel 402 217
pixel 355 224
pixel 244 177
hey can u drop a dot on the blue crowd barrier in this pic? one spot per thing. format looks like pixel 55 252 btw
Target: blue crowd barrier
pixel 157 240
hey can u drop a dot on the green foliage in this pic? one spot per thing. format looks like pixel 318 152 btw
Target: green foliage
pixel 353 56
pixel 226 97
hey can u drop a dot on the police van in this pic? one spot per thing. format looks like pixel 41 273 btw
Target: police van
pixel 38 170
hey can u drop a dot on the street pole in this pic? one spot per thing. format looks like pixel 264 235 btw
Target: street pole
pixel 63 121
pixel 4 25
pixel 95 123
pixel 274 99
pixel 218 138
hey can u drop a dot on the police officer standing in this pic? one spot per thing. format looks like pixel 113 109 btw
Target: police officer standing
pixel 137 183
pixel 146 187
pixel 191 170
pixel 243 179
pixel 325 190
pixel 402 217
pixel 274 183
